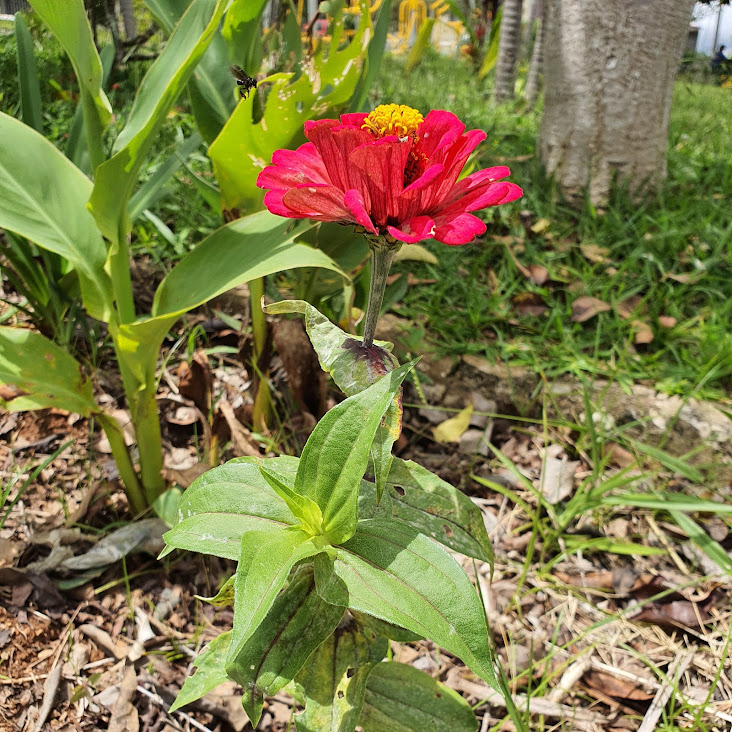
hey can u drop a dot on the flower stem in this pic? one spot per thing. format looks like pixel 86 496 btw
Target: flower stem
pixel 381 259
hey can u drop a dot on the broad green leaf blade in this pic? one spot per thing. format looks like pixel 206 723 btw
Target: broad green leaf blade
pixel 298 622
pixel 244 148
pixel 391 571
pixel 401 698
pixel 39 374
pixel 251 247
pixel 211 89
pixel 222 505
pixel 388 630
pixel 336 454
pixel 264 567
pixel 353 369
pixel 705 542
pixel 667 502
pixel 30 90
pixel 433 507
pixel 333 682
pixel 224 597
pixel 210 673
pixel 68 22
pixel 161 86
pixel 417 51
pixel 243 33
pixel 44 199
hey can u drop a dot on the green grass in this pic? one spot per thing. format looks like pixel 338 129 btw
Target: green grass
pixel 683 231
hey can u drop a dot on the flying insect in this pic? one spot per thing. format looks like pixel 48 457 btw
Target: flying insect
pixel 245 82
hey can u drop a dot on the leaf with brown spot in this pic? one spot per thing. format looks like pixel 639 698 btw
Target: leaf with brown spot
pixel 586 307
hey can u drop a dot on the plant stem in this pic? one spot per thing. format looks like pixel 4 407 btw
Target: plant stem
pixel 149 443
pixel 262 401
pixel 94 131
pixel 122 459
pixel 382 256
pixel 119 270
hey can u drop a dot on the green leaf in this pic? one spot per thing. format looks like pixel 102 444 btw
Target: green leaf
pixel 391 571
pixel 298 622
pixel 40 374
pixel 353 369
pixel 30 90
pixel 336 454
pixel 401 698
pixel 244 147
pixel 211 673
pixel 223 504
pixel 388 630
pixel 224 597
pixel 705 542
pixel 251 247
pixel 50 209
pixel 264 566
pixel 676 464
pixel 416 52
pixel 68 22
pixel 303 508
pixel 431 506
pixel 161 86
pixel 243 33
pixel 333 682
pixel 667 502
pixel 491 55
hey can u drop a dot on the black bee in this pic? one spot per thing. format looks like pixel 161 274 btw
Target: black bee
pixel 243 81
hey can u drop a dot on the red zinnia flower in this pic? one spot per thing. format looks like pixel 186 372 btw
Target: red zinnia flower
pixel 392 172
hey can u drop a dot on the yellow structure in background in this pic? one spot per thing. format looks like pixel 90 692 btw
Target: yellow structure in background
pixel 412 14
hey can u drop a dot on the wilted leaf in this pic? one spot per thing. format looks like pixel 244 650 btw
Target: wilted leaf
pixel 586 307
pixel 539 274
pixel 594 253
pixel 451 429
pixel 674 615
pixel 529 303
pixel 196 382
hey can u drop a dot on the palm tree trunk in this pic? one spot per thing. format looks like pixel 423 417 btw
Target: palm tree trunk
pixel 508 50
pixel 535 68
pixel 128 19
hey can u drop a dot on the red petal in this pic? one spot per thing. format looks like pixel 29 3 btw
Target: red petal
pixel 355 205
pixel 413 230
pixel 273 202
pixel 324 203
pixel 354 118
pixel 459 230
pixel 321 135
pixel 382 163
pixel 439 129
pixel 433 172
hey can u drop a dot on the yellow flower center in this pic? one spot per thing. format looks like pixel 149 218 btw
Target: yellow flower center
pixel 393 119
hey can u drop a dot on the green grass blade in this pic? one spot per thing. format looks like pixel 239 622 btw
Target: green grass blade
pixel 30 90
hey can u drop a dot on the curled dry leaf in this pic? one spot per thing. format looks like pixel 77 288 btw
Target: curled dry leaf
pixel 196 382
pixel 539 274
pixel 451 429
pixel 530 303
pixel 586 307
pixel 616 686
pixel 625 308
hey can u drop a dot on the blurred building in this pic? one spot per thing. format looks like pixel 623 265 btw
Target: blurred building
pixel 713 26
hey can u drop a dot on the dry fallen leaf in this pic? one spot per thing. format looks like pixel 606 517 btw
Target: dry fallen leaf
pixel 557 479
pixel 540 226
pixel 625 308
pixel 529 303
pixel 666 321
pixel 539 274
pixel 616 686
pixel 643 332
pixel 594 252
pixel 586 307
pixel 451 429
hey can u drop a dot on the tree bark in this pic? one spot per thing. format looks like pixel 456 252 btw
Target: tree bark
pixel 128 19
pixel 609 67
pixel 509 45
pixel 535 68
